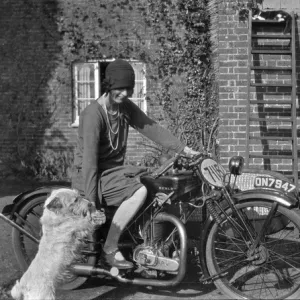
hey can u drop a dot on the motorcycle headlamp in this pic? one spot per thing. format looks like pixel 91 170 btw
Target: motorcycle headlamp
pixel 236 165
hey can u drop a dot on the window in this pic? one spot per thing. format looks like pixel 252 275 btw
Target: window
pixel 87 78
pixel 86 86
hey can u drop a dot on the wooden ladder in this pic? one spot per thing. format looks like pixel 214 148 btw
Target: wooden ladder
pixel 262 104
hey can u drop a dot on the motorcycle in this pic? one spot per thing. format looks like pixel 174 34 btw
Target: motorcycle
pixel 248 247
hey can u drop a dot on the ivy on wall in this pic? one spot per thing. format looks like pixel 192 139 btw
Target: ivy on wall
pixel 181 29
pixel 178 59
pixel 171 36
pixel 29 51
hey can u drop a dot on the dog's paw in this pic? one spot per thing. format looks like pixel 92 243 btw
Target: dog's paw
pixel 98 217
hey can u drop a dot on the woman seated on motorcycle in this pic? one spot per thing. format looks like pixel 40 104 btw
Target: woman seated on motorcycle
pixel 101 146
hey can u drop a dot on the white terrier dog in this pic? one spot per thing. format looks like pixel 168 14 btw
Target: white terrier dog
pixel 66 220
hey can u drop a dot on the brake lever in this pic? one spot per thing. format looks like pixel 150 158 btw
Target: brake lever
pixel 196 160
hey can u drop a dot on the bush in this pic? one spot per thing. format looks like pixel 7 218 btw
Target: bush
pixel 46 164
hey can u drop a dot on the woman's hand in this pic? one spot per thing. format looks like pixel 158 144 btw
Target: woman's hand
pixel 190 152
pixel 98 217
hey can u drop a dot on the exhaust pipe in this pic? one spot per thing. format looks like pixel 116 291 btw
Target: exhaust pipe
pixel 88 270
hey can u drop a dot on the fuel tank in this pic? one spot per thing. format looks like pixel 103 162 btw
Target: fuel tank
pixel 180 183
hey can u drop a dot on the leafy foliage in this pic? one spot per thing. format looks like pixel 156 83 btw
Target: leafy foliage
pixel 178 60
pixel 42 164
pixel 181 29
pixel 171 36
pixel 243 8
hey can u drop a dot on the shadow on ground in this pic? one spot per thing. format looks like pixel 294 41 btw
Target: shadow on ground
pixel 102 288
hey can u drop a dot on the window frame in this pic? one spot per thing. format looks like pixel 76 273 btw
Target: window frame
pixel 97 81
pixel 75 99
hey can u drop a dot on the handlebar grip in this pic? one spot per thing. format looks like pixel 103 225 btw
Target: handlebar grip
pixel 167 165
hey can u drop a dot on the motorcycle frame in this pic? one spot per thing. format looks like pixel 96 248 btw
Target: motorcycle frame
pixel 250 195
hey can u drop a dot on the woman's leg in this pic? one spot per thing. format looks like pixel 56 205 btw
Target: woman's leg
pixel 122 217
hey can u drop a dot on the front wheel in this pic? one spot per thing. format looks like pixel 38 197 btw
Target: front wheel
pixel 25 249
pixel 273 271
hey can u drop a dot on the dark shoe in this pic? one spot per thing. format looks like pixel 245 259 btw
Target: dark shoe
pixel 116 259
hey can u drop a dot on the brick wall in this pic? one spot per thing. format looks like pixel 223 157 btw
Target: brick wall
pixel 233 56
pixel 35 80
pixel 233 61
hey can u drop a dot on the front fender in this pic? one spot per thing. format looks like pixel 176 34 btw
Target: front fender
pixel 267 195
pixel 20 200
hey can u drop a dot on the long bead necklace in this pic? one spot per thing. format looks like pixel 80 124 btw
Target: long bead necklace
pixel 110 130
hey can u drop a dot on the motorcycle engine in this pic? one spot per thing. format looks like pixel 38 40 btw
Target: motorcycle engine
pixel 150 257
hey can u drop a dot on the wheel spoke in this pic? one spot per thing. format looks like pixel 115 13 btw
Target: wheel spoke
pixel 34 230
pixel 232 251
pixel 37 215
pixel 273 270
pixel 232 240
pixel 230 259
pixel 282 258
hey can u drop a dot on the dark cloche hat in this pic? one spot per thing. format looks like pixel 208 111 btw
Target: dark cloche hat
pixel 119 74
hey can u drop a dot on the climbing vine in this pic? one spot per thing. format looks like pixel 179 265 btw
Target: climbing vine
pixel 182 32
pixel 178 60
pixel 172 37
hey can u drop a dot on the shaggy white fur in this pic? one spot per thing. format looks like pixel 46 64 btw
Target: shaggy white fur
pixel 66 220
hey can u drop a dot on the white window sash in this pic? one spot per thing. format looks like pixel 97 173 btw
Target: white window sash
pixel 77 81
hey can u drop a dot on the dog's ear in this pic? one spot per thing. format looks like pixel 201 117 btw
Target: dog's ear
pixel 55 204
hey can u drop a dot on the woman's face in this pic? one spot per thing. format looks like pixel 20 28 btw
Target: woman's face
pixel 120 95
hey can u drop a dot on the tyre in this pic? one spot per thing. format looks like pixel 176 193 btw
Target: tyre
pixel 273 271
pixel 25 249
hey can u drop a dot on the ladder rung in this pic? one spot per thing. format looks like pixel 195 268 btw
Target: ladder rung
pixel 275 138
pixel 269 41
pixel 289 176
pixel 270 120
pixel 271 68
pixel 271 84
pixel 264 51
pixel 268 22
pixel 271 36
pixel 271 102
pixel 271 156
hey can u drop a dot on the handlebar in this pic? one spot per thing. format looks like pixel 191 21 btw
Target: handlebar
pixel 170 162
pixel 166 166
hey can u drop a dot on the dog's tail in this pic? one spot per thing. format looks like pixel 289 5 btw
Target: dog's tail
pixel 16 291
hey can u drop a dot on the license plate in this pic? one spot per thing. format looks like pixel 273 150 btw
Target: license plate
pixel 270 182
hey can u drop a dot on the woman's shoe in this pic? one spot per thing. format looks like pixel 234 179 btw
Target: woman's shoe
pixel 116 259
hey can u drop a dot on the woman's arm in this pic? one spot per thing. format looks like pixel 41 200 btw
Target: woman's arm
pixel 92 123
pixel 148 127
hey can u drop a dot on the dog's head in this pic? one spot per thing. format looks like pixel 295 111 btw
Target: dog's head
pixel 68 202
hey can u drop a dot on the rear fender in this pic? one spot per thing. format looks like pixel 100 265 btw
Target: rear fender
pixel 23 198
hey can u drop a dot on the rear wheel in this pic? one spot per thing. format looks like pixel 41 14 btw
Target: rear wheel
pixel 25 249
pixel 273 272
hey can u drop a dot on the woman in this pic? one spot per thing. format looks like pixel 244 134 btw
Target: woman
pixel 101 147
